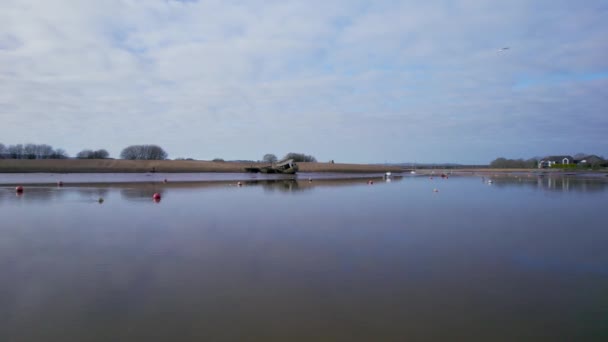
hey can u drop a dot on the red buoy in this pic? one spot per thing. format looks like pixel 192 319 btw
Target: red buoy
pixel 156 196
pixel 19 189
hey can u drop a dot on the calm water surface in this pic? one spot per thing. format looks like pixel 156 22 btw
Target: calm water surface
pixel 522 259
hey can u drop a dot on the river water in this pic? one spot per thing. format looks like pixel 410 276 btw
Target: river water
pixel 518 259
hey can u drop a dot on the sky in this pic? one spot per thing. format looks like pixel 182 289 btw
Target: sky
pixel 345 80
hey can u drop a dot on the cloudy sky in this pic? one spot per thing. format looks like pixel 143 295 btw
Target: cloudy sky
pixel 349 80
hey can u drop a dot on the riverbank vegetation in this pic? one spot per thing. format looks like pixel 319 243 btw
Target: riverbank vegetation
pixel 90 154
pixel 503 163
pixel 143 152
pixel 31 151
pixel 583 161
pixel 300 157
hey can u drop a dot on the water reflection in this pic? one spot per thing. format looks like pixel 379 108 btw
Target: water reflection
pixel 145 191
pixel 92 192
pixel 32 194
pixel 558 184
pixel 113 178
pixel 327 260
pixel 140 193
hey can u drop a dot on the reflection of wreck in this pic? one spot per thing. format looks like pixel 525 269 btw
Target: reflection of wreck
pixel 287 167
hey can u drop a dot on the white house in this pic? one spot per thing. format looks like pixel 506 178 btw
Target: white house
pixel 553 160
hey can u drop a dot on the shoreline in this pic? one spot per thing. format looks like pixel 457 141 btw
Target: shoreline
pixel 105 166
pixel 488 171
pixel 171 166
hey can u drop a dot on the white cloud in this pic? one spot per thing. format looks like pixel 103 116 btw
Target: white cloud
pixel 354 78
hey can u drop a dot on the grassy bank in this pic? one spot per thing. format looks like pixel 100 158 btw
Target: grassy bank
pixel 490 171
pixel 129 166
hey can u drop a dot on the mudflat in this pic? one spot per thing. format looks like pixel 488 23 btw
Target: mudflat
pixel 122 166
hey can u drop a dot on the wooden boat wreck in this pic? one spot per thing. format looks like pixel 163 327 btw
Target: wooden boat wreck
pixel 285 167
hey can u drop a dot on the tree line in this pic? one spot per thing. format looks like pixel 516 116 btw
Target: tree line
pixel 133 152
pixel 143 152
pixel 31 151
pixel 44 151
pixel 90 154
pixel 297 157
pixel 503 163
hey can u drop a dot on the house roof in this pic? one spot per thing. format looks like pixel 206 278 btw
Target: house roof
pixel 557 158
pixel 590 157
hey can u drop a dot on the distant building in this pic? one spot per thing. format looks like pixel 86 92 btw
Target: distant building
pixel 555 160
pixel 590 160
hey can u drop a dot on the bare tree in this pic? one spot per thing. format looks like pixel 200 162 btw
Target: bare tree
pixel 504 163
pixel 101 154
pixel 300 157
pixel 84 154
pixel 30 151
pixel 130 152
pixel 59 154
pixel 90 154
pixel 143 152
pixel 15 151
pixel 270 158
pixel 43 151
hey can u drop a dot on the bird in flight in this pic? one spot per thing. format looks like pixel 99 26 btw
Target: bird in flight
pixel 503 49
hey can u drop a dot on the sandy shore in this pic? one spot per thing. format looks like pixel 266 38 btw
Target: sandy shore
pixel 169 166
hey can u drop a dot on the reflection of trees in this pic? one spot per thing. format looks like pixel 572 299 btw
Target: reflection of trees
pixel 293 185
pixel 92 192
pixel 32 194
pixel 553 183
pixel 139 193
pixel 144 191
pixel 286 185
pixel 5 193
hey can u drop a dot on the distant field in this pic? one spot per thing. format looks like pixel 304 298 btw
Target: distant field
pixel 119 165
